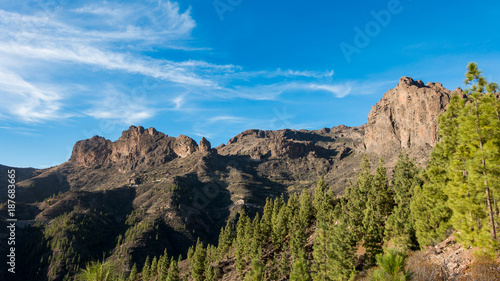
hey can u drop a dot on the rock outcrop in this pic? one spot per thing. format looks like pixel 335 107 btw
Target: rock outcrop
pixel 185 146
pixel 406 117
pixel 260 144
pixel 204 145
pixel 90 152
pixel 136 147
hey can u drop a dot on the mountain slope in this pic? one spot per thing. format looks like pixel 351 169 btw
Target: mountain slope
pixel 149 191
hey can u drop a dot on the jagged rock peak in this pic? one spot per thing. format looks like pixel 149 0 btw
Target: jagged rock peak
pixel 204 145
pixel 137 147
pixel 408 81
pixel 93 151
pixel 136 131
pixel 185 146
pixel 406 117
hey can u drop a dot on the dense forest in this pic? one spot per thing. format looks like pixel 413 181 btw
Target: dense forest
pixel 371 232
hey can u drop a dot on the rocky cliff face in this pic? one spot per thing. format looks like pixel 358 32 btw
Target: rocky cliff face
pixel 406 118
pixel 136 147
pixel 90 152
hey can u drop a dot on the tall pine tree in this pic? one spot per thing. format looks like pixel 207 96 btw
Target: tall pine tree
pixel 355 197
pixel 378 206
pixel 400 226
pixel 474 166
pixel 197 262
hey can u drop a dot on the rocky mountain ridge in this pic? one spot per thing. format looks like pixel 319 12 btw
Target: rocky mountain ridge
pixel 404 119
pixel 136 148
pixel 190 189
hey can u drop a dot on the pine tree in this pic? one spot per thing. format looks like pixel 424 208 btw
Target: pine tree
pixel 474 166
pixel 391 267
pixel 97 271
pixel 241 241
pixel 297 239
pixel 190 252
pixel 429 209
pixel 320 252
pixel 239 260
pixel 266 225
pixel 133 273
pixel 281 229
pixel 355 198
pixel 341 251
pixel 256 272
pixel 400 226
pixel 306 209
pixel 380 192
pixel 293 204
pixel 300 271
pixel 209 271
pixel 225 239
pixel 284 264
pixel 163 266
pixel 154 267
pixel 378 206
pixel 255 238
pixel 173 273
pixel 320 201
pixel 464 170
pixel 146 269
pixel 197 262
pixel 373 225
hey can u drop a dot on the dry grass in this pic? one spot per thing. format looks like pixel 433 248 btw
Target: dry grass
pixel 483 270
pixel 423 269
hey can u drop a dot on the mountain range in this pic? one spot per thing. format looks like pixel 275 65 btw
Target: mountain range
pixel 166 192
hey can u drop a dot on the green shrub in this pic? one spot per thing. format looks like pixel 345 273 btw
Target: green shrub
pixel 391 267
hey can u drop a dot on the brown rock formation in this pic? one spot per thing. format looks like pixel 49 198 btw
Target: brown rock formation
pixel 204 145
pixel 136 147
pixel 406 117
pixel 259 144
pixel 91 152
pixel 185 146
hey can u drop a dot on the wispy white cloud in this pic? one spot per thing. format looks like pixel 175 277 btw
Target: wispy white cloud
pixel 226 119
pixel 338 91
pixel 122 108
pixel 155 21
pixel 45 40
pixel 49 39
pixel 246 75
pixel 274 91
pixel 109 38
pixel 302 73
pixel 108 60
pixel 28 102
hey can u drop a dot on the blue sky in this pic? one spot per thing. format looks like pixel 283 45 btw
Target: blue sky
pixel 73 69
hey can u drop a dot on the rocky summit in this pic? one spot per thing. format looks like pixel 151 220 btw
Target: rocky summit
pixel 137 148
pixel 147 184
pixel 406 118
